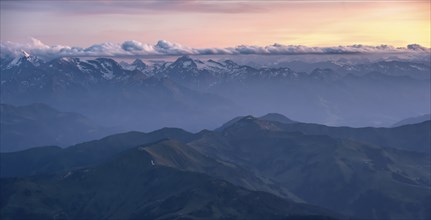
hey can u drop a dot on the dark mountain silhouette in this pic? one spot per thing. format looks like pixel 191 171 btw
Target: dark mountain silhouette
pixel 53 159
pixel 413 137
pixel 141 183
pixel 278 118
pixel 354 178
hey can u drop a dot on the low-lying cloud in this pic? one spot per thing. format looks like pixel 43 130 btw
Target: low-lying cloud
pixel 132 48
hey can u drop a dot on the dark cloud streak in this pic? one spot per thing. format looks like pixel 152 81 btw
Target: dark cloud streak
pixel 135 7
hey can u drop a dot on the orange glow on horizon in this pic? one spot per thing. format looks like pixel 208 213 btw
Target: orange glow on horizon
pixel 310 23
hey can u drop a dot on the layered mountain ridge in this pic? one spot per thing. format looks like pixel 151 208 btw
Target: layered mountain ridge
pixel 352 175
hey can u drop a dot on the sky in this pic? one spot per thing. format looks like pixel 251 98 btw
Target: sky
pixel 218 23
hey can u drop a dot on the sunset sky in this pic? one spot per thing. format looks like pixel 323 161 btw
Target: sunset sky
pixel 218 23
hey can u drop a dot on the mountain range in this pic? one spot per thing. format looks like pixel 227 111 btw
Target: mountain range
pixel 271 166
pixel 199 94
pixel 180 150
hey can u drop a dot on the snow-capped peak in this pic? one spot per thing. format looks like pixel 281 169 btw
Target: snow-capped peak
pixel 139 65
pixel 184 62
pixel 26 55
pixel 25 58
pixel 135 65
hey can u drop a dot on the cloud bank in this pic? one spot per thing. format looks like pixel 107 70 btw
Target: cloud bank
pixel 132 48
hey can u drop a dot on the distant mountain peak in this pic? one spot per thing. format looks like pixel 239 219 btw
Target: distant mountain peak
pixel 184 62
pixel 249 118
pixel 184 58
pixel 277 118
pixel 26 60
pixel 139 65
pixel 138 62
pixel 264 121
pixel 25 54
pixel 248 126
